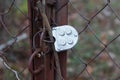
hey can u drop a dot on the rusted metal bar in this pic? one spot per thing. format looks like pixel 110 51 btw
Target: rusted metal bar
pixel 60 18
pixel 34 28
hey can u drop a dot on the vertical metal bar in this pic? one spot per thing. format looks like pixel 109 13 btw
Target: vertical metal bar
pixel 37 62
pixel 30 13
pixel 34 29
pixel 61 18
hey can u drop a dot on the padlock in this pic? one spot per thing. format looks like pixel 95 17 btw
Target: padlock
pixel 65 36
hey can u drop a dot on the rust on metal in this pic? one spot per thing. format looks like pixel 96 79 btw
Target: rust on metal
pixel 46 63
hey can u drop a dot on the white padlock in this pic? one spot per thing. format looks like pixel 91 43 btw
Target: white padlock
pixel 65 37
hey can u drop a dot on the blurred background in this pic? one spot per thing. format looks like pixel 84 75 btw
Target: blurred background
pixel 105 26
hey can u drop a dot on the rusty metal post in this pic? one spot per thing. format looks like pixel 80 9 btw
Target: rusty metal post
pixel 60 17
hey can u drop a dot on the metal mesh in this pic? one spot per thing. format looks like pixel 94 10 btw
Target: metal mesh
pixel 13 40
pixel 96 53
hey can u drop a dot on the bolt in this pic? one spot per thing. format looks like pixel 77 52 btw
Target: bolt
pixel 75 35
pixel 69 31
pixel 70 42
pixel 61 43
pixel 61 33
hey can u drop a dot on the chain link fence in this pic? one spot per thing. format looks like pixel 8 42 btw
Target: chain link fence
pixel 14 42
pixel 95 57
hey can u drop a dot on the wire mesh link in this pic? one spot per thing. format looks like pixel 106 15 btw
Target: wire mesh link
pixel 15 38
pixel 88 26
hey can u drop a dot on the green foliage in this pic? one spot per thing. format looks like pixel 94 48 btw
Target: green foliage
pixel 9 75
pixel 23 7
pixel 89 46
pixel 90 5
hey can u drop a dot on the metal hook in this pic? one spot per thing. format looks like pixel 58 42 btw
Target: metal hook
pixel 30 63
pixel 34 46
